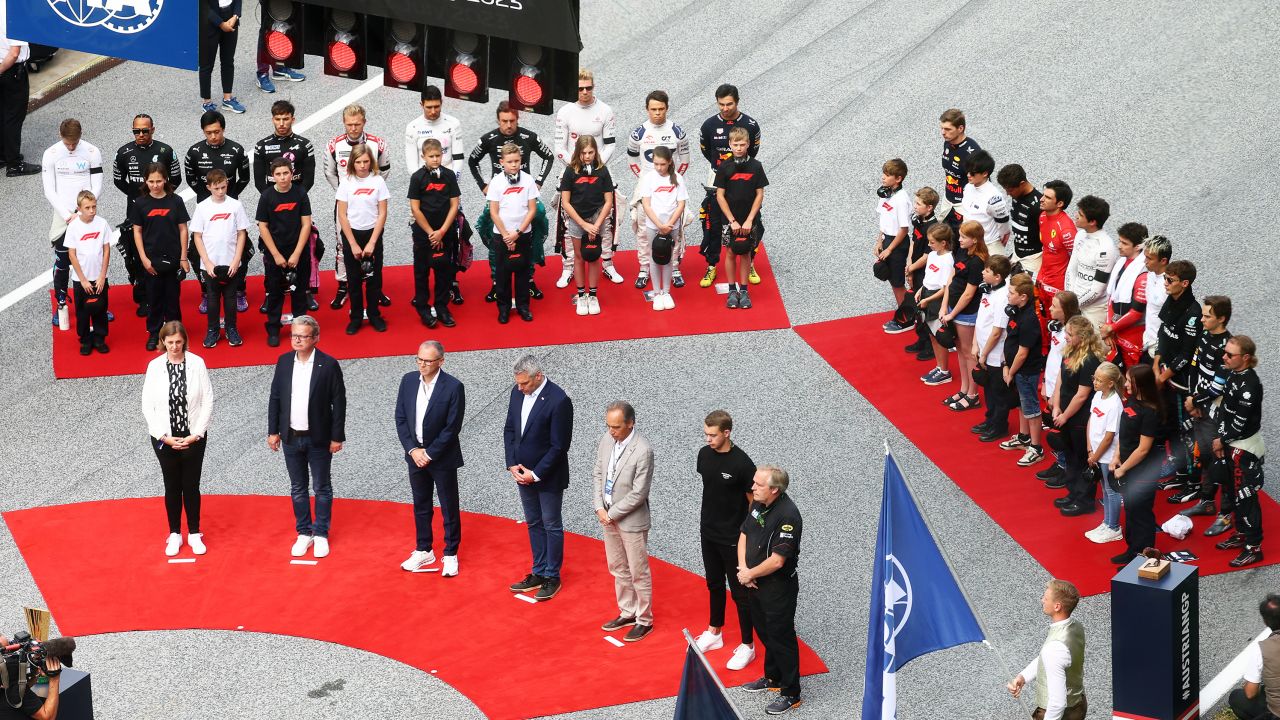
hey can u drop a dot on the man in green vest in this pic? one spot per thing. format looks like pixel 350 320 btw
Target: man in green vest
pixel 1259 699
pixel 1060 665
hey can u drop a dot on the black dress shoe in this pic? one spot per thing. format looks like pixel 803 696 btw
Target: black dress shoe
pixel 273 337
pixel 428 319
pixel 1247 556
pixel 1204 507
pixel 1124 558
pixel 618 623
pixel 384 301
pixel 994 435
pixel 153 341
pixel 354 326
pixel 1234 541
pixel 493 294
pixel 525 315
pixel 504 314
pixel 1056 483
pixel 379 325
pixel 86 348
pixel 1076 509
pixel 1063 501
pixel 446 317
pixel 101 346
pixel 981 428
pixel 914 347
pixel 455 295
pixel 21 168
pixel 263 307
pixel 1052 472
pixel 926 354
pixel 638 633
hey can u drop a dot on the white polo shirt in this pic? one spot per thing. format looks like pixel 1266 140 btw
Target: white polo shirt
pixel 991 316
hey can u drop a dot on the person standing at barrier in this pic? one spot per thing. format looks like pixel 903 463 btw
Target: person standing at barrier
pixel 621 479
pixel 15 93
pixel 1058 670
pixel 1259 699
pixel 68 166
pixel 177 402
pixel 536 439
pixel 430 408
pixel 768 552
pixel 128 173
pixel 159 219
pixel 726 471
pixel 1238 448
pixel 588 117
pixel 219 31
pixel 307 417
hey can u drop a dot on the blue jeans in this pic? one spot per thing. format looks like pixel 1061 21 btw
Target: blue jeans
pixel 546 529
pixel 1028 395
pixel 309 468
pixel 1111 500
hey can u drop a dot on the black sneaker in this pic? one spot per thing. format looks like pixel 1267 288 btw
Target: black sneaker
pixel 86 348
pixel 233 337
pixel 1236 540
pixel 926 354
pixel 550 586
pixel 677 280
pixel 534 292
pixel 445 317
pixel 530 582
pixel 273 337
pixel 21 168
pixel 1204 507
pixel 455 295
pixel 744 301
pixel 618 623
pixel 428 319
pixel 760 685
pixel 101 346
pixel 211 338
pixel 1184 495
pixel 1124 558
pixel 384 301
pixel 641 280
pixel 981 428
pixel 1057 483
pixel 1247 556
pixel 993 435
pixel 1063 501
pixel 1077 509
pixel 379 325
pixel 263 307
pixel 339 298
pixel 915 347
pixel 145 310
pixel 493 294
pixel 312 305
pixel 353 327
pixel 1053 472
pixel 153 341
pixel 783 704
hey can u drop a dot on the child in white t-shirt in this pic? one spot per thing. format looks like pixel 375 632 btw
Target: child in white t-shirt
pixel 220 228
pixel 362 214
pixel 88 243
pixel 938 268
pixel 663 195
pixel 513 202
pixel 988 348
pixel 1100 440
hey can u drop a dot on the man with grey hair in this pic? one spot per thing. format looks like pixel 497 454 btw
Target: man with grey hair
pixel 768 549
pixel 430 408
pixel 307 416
pixel 620 479
pixel 536 439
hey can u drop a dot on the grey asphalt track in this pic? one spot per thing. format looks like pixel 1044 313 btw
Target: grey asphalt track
pixel 1162 108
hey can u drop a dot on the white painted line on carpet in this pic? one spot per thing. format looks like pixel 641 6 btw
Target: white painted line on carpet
pixel 613 640
pixel 525 598
pixel 176 561
pixel 1222 683
pixel 40 281
pixel 304 562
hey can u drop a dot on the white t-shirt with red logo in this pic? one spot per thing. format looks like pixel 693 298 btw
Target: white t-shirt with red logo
pixel 991 316
pixel 87 239
pixel 663 195
pixel 894 213
pixel 362 195
pixel 218 224
pixel 1053 361
pixel 1104 417
pixel 937 271
pixel 513 199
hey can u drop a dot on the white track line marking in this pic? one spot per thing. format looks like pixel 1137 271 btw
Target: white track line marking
pixel 1224 681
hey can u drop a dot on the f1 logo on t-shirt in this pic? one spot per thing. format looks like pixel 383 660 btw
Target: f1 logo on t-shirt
pixel 220 216
pixel 887 207
pixel 282 207
pixel 933 268
pixel 158 212
pixel 91 236
pixel 1098 412
pixel 434 187
pixel 744 176
pixel 363 191
pixel 587 179
pixel 665 188
pixel 515 189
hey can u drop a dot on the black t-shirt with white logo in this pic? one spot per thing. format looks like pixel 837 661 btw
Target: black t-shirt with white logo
pixel 159 219
pixel 587 189
pixel 283 213
pixel 433 189
pixel 1023 331
pixel 1024 223
pixel 726 482
pixel 740 180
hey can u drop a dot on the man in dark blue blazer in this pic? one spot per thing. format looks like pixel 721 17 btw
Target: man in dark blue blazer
pixel 429 411
pixel 536 438
pixel 310 424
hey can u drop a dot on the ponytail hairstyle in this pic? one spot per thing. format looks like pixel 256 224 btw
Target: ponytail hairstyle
pixel 665 154
pixel 584 142
pixel 1110 371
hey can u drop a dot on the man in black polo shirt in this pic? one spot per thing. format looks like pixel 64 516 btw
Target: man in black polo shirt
pixel 768 550
pixel 1024 217
pixel 284 226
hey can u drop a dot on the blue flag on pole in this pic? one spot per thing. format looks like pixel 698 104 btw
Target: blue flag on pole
pixel 701 697
pixel 916 605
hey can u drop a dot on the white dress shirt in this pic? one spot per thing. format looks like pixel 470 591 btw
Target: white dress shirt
pixel 300 398
pixel 1057 658
pixel 425 390
pixel 526 405
pixel 618 448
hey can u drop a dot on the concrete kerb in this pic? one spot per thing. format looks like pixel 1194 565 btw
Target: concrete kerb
pixel 90 68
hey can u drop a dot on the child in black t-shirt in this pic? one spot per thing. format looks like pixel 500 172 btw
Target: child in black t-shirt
pixel 1023 362
pixel 160 232
pixel 922 218
pixel 740 184
pixel 586 197
pixel 284 225
pixel 434 198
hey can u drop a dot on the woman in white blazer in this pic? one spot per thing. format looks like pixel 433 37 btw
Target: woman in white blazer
pixel 177 402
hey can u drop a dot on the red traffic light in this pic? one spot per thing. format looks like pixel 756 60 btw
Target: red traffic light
pixel 341 56
pixel 528 90
pixel 279 45
pixel 464 79
pixel 531 71
pixel 402 68
pixel 406 55
pixel 281 32
pixel 466 61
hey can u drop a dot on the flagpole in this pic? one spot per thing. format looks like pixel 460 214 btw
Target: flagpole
pixel 1004 665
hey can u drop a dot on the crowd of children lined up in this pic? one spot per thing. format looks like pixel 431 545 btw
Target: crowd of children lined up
pixel 1098 343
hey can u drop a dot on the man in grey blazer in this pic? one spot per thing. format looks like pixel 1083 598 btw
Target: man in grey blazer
pixel 621 478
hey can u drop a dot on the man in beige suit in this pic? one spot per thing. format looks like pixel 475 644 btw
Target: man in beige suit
pixel 621 477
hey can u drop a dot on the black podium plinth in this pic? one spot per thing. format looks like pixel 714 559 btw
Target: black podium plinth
pixel 75 695
pixel 1155 643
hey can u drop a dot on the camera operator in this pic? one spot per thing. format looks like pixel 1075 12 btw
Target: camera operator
pixel 34 706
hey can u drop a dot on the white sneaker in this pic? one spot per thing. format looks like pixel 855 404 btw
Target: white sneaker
pixel 450 566
pixel 670 301
pixel 593 305
pixel 1096 533
pixel 173 544
pixel 658 303
pixel 195 541
pixel 708 641
pixel 300 546
pixel 613 274
pixel 742 657
pixel 418 559
pixel 565 277
pixel 583 305
pixel 322 547
pixel 1108 535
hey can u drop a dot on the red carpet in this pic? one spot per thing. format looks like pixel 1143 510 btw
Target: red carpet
pixel 889 379
pixel 624 315
pixel 468 630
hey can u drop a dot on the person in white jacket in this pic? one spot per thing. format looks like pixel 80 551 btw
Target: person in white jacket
pixel 438 125
pixel 1092 259
pixel 177 403
pixel 68 166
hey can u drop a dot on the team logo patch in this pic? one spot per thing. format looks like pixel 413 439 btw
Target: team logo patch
pixel 1098 412
pixel 363 191
pixel 787 528
pixel 515 189
pixel 91 236
pixel 587 179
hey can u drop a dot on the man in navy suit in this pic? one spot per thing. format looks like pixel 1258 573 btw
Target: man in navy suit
pixel 307 416
pixel 429 412
pixel 536 438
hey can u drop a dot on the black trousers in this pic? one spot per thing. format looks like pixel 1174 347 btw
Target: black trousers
pixel 773 612
pixel 422 481
pixel 364 294
pixel 215 42
pixel 720 563
pixel 91 324
pixel 15 91
pixel 1075 456
pixel 163 295
pixel 712 222
pixel 61 269
pixel 221 297
pixel 181 471
pixel 1000 398
pixel 428 261
pixel 273 279
pixel 1182 442
pixel 1203 431
pixel 1246 709
pixel 514 266
pixel 1139 492
pixel 1240 474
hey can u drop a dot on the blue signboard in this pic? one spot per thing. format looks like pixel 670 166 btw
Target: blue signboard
pixel 163 32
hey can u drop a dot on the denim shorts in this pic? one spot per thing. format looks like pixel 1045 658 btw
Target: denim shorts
pixel 970 319
pixel 1028 395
